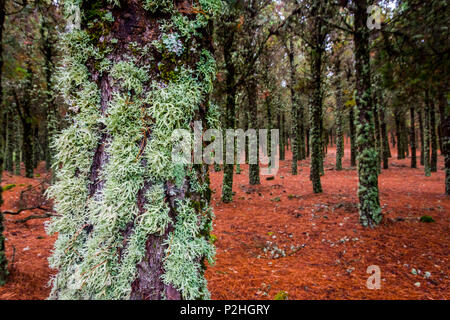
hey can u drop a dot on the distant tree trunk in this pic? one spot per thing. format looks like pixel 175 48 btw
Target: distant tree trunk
pixel 133 223
pixel 433 161
pixel 253 172
pixel 378 143
pixel 338 116
pixel 228 169
pixel 294 110
pixel 351 123
pixel 444 110
pixel 308 145
pixel 36 146
pixel 301 136
pixel 398 131
pixel 427 135
pixel 421 135
pixel 384 137
pixel 281 140
pixel 369 203
pixel 9 148
pixel 413 138
pixel 3 261
pixel 24 110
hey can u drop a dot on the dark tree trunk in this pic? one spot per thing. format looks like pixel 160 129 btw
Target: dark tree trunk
pixel 433 161
pixel 378 142
pixel 351 123
pixel 421 136
pixel 315 107
pixel 427 135
pixel 384 137
pixel 230 110
pixel 444 110
pixel 9 148
pixel 3 261
pixel 369 203
pixel 253 172
pixel 413 138
pixel 294 110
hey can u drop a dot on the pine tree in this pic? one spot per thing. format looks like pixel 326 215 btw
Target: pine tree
pixel 133 223
pixel 369 203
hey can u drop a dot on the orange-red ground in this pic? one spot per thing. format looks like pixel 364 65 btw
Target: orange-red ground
pixel 327 251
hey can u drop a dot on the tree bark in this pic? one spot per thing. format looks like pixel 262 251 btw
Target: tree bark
pixel 133 223
pixel 413 138
pixel 369 203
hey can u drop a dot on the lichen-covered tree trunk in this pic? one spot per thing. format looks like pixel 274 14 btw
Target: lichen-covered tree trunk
pixel 253 172
pixel 369 203
pixel 352 129
pixel 413 137
pixel 339 118
pixel 134 221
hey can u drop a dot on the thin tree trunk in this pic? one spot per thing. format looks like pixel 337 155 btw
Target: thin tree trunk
pixel 427 135
pixel 422 141
pixel 3 261
pixel 253 172
pixel 433 161
pixel 294 110
pixel 413 138
pixel 384 137
pixel 351 121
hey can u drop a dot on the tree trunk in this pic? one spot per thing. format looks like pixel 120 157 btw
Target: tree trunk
pixel 445 127
pixel 315 107
pixel 253 172
pixel 427 135
pixel 134 222
pixel 9 144
pixel 339 111
pixel 413 138
pixel 294 110
pixel 422 141
pixel 3 261
pixel 351 123
pixel 384 136
pixel 369 203
pixel 228 169
pixel 433 161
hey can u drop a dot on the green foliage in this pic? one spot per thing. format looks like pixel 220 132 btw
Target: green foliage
pixel 282 295
pixel 8 187
pixel 426 219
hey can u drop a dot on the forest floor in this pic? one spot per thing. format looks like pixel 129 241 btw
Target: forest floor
pixel 280 236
